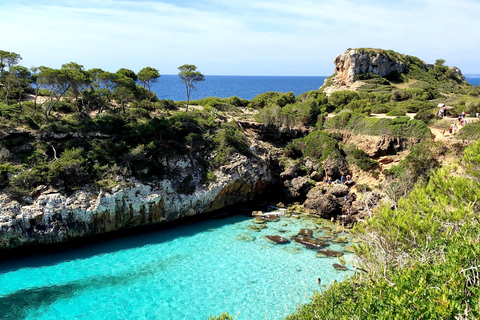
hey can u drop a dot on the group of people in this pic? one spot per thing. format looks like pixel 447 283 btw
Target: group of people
pixel 343 179
pixel 456 126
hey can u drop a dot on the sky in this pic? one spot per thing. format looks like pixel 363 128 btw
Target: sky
pixel 237 37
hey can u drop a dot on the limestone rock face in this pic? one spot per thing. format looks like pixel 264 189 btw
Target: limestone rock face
pixel 54 218
pixel 458 72
pixel 355 61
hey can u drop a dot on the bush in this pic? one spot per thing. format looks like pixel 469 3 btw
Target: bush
pixel 70 170
pixel 272 98
pixel 425 116
pixel 166 105
pixel 360 124
pixel 397 113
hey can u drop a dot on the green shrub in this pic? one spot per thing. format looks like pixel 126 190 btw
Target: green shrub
pixel 165 104
pixel 471 131
pixel 6 169
pixel 360 124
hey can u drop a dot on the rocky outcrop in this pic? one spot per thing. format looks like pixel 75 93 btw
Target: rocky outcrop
pixel 54 217
pixel 458 72
pixel 358 61
pixel 376 146
pixel 328 203
pixel 335 167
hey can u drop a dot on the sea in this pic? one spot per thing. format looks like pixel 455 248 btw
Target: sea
pixel 187 272
pixel 244 87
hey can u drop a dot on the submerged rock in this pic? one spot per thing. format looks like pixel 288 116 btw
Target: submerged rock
pixel 310 243
pixel 292 250
pixel 341 239
pixel 253 228
pixel 349 249
pixel 270 217
pixel 258 221
pixel 339 267
pixel 305 232
pixel 324 238
pixel 257 213
pixel 245 237
pixel 278 239
pixel 324 253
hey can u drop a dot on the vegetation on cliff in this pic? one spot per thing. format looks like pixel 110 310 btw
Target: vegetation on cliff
pixel 92 129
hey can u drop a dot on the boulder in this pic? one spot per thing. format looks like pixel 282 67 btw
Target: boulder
pixel 297 187
pixel 311 164
pixel 341 239
pixel 324 253
pixel 339 267
pixel 316 176
pixel 278 239
pixel 324 238
pixel 292 171
pixel 305 232
pixel 335 167
pixel 310 243
pixel 338 190
pixel 324 205
pixel 247 237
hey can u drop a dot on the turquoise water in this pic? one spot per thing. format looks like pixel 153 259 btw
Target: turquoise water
pixel 187 272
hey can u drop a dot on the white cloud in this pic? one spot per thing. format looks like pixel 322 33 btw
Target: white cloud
pixel 239 37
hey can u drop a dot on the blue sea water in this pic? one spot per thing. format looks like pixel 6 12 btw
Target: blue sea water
pixel 245 87
pixel 186 272
pixel 474 81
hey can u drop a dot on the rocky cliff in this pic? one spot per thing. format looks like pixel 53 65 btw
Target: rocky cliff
pixel 357 61
pixel 54 217
pixel 355 65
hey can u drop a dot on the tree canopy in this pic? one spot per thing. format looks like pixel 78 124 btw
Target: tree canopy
pixel 190 76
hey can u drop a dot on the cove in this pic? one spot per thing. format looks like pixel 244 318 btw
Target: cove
pixel 184 272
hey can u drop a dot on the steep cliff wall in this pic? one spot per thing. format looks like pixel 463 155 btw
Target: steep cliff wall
pixel 54 218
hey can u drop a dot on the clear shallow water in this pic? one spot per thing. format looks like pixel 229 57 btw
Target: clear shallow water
pixel 186 272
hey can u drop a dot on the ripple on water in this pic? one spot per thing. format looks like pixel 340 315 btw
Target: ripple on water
pixel 187 272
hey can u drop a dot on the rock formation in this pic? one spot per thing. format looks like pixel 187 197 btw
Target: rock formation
pixel 357 61
pixel 353 63
pixel 54 218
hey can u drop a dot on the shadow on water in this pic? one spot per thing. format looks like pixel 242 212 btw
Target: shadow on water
pixel 35 257
pixel 19 304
